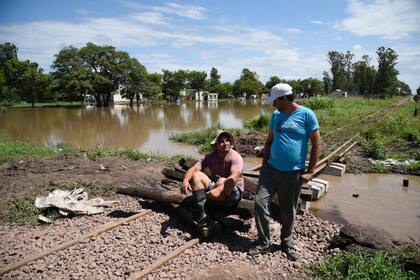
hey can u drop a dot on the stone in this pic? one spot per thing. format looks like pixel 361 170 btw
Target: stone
pixel 335 169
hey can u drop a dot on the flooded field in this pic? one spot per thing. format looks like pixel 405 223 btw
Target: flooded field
pixel 146 127
pixel 379 200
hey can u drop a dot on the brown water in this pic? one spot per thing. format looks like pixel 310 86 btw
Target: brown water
pixel 382 202
pixel 144 127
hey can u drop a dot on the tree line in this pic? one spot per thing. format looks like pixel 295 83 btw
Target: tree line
pixel 100 71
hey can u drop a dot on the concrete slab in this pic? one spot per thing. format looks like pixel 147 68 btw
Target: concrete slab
pixel 335 169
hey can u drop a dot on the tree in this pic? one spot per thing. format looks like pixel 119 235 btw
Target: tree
pixel 248 83
pixel 337 61
pixel 312 87
pixel 214 81
pixel 8 51
pixel 328 83
pixel 25 79
pixel 364 76
pixel 274 80
pixel 134 78
pixel 403 88
pixel 249 75
pixel 70 77
pixel 173 82
pixel 386 79
pixel 223 89
pixel 196 79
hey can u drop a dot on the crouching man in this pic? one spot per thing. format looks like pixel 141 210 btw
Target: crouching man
pixel 225 184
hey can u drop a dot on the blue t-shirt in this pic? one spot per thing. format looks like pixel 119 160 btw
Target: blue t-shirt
pixel 290 139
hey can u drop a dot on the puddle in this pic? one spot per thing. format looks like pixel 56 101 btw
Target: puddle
pixel 379 200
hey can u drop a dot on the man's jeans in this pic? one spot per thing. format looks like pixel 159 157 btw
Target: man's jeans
pixel 287 185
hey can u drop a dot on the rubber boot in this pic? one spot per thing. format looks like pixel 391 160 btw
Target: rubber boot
pixel 199 203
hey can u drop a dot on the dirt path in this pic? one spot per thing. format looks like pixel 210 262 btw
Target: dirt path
pixel 117 253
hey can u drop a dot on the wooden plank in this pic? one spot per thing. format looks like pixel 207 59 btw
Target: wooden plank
pixel 140 274
pixel 106 227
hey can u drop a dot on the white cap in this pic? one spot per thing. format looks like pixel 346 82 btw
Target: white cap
pixel 279 90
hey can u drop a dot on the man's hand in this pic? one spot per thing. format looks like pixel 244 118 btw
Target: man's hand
pixel 306 176
pixel 186 186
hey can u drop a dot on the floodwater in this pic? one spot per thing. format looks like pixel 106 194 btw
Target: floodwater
pixel 378 200
pixel 146 127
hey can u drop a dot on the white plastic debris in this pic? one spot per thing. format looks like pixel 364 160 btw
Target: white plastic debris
pixel 75 202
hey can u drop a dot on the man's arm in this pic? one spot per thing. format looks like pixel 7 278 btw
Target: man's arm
pixel 267 146
pixel 315 138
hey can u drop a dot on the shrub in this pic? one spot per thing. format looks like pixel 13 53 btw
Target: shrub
pixel 354 265
pixel 318 103
pixel 259 123
pixel 374 149
pixel 21 210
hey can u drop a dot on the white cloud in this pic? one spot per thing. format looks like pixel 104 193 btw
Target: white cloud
pixel 151 18
pixel 390 19
pixel 357 47
pixel 192 11
pixel 82 12
pixel 318 22
pixel 294 30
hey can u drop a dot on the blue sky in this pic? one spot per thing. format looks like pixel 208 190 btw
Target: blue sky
pixel 289 39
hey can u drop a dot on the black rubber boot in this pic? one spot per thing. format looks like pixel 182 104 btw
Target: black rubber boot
pixel 200 216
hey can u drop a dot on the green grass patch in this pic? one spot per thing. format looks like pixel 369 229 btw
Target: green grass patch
pixel 10 149
pixel 21 210
pixel 317 103
pixel 201 138
pixel 260 123
pixel 354 265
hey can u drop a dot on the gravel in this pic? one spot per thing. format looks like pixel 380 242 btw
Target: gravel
pixel 117 253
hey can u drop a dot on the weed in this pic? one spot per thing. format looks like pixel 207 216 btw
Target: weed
pixel 374 149
pixel 109 185
pixel 318 103
pixel 354 265
pixel 260 123
pixel 95 153
pixel 20 210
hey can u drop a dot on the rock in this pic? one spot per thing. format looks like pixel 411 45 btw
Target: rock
pixel 364 236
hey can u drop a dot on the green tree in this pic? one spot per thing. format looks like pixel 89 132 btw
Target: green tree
pixel 403 88
pixel 70 77
pixel 312 87
pixel 25 79
pixel 214 84
pixel 364 76
pixel 248 83
pixel 274 80
pixel 386 81
pixel 196 79
pixel 328 83
pixel 173 82
pixel 8 51
pixel 155 85
pixel 223 89
pixel 337 61
pixel 134 79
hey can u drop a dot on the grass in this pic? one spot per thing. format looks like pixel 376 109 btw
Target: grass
pixel 260 123
pixel 355 265
pixel 11 149
pixel 44 104
pixel 15 149
pixel 317 103
pixel 21 210
pixel 201 138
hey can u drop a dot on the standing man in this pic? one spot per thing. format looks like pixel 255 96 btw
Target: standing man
pixel 283 167
pixel 225 183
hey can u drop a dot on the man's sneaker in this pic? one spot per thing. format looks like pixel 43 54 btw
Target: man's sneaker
pixel 290 253
pixel 259 250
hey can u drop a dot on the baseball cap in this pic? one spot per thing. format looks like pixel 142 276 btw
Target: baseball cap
pixel 279 90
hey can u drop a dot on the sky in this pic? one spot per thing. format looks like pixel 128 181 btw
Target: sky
pixel 288 39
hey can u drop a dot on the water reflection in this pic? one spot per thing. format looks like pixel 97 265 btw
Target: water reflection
pixel 144 127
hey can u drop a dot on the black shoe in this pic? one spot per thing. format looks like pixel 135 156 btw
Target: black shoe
pixel 290 253
pixel 259 250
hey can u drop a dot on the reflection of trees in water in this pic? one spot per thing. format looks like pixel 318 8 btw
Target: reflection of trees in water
pixel 120 126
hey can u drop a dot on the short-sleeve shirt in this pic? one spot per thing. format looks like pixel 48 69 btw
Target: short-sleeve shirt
pixel 290 138
pixel 223 167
